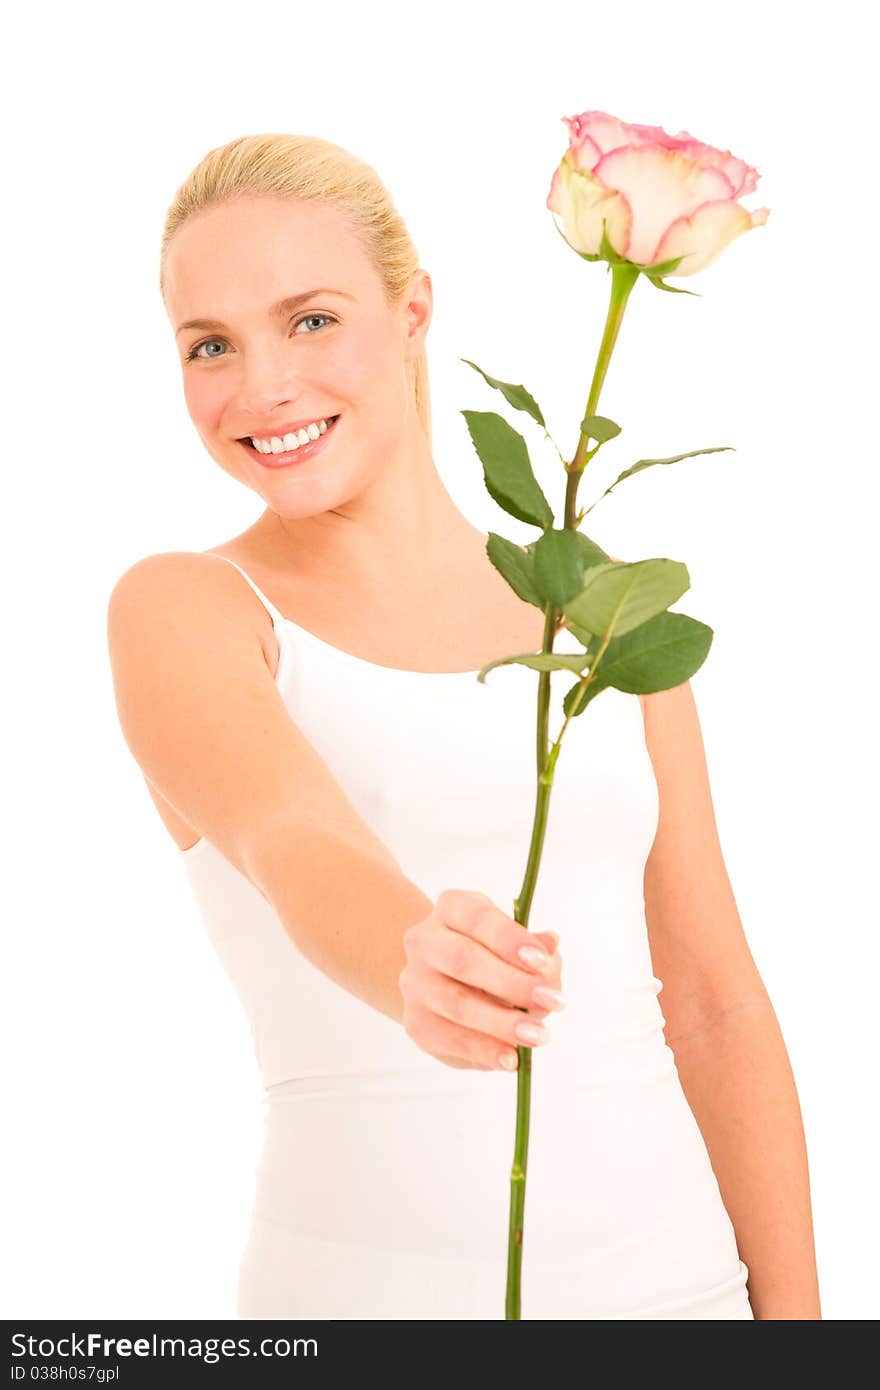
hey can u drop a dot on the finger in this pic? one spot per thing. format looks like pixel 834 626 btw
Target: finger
pixel 536 1010
pixel 475 916
pixel 470 965
pixel 472 1010
pixel 456 1045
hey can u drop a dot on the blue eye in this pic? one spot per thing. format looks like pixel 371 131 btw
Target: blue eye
pixel 191 356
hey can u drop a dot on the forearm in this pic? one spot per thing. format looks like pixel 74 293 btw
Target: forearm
pixel 738 1081
pixel 344 901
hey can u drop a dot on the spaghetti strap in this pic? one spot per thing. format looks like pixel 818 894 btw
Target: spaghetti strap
pixel 277 618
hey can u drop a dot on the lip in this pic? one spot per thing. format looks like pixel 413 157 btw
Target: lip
pixel 292 427
pixel 289 456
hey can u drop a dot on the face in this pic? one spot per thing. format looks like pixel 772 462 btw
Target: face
pixel 256 369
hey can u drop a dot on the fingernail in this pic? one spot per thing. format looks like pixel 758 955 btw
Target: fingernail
pixel 531 1032
pixel 548 998
pixel 508 1061
pixel 533 955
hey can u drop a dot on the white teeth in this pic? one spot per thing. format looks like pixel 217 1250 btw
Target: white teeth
pixel 278 445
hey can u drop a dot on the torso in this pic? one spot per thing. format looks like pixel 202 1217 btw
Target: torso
pixel 497 623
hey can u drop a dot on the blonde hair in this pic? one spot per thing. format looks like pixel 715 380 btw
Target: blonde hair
pixel 314 170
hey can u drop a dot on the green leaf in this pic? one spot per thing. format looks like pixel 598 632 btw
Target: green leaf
pixel 507 469
pixel 517 396
pixel 671 289
pixel 581 633
pixel 541 661
pixel 599 427
pixel 516 565
pixel 618 597
pixel 667 267
pixel 592 552
pixel 660 654
pixel 558 566
pixel 580 696
pixel 651 463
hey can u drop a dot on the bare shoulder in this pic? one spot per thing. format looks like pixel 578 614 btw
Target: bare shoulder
pixel 181 586
pixel 173 568
pixel 176 619
pixel 208 725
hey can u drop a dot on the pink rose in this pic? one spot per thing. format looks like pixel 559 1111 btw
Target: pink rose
pixel 661 196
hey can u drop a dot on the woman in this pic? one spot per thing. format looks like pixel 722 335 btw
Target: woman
pixel 302 700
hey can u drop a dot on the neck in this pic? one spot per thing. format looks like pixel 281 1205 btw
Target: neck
pixel 403 529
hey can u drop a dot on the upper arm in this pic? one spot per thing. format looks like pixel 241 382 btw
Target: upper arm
pixel 698 945
pixel 203 717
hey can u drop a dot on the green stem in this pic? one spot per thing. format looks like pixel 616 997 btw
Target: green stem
pixel 623 279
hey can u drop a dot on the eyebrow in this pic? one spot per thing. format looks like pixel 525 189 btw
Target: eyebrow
pixel 284 306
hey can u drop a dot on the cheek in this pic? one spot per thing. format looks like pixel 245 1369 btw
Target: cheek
pixel 349 370
pixel 204 400
pixel 364 367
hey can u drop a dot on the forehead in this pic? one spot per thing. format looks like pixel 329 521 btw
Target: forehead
pixel 255 250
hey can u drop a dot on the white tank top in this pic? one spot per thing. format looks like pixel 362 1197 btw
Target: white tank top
pixel 442 767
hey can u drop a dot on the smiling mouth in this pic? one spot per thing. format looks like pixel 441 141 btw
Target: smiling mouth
pixel 288 454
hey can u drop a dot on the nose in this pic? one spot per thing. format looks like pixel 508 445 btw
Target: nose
pixel 268 382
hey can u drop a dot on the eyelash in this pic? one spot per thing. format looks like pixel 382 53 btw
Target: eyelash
pixel 191 355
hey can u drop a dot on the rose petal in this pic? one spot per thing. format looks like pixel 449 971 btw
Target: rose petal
pixel 661 186
pixel 704 235
pixel 582 202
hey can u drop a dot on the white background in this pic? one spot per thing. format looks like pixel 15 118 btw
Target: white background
pixel 132 1101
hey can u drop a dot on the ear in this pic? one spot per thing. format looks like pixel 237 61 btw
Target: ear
pixel 419 312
